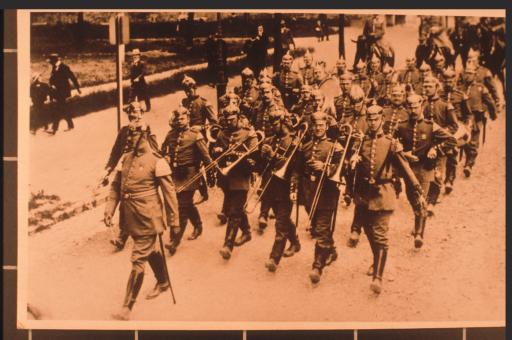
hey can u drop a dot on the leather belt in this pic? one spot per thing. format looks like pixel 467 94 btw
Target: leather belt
pixel 141 194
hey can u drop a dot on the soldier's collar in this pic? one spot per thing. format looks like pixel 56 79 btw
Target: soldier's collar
pixel 324 137
pixel 376 134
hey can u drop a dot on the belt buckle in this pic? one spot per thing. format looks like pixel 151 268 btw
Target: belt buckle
pixel 126 196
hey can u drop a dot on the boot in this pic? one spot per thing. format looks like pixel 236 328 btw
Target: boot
pixel 353 240
pixel 271 265
pixel 332 256
pixel 156 262
pixel 196 233
pixel 132 291
pixel 246 232
pixel 231 231
pixel 262 224
pixel 419 229
pixel 277 250
pixel 293 248
pixel 448 187
pixel 378 270
pixel 467 171
pixel 319 263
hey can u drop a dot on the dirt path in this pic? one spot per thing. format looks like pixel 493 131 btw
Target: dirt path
pixel 458 275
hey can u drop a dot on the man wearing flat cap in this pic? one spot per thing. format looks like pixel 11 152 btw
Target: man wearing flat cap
pixel 61 91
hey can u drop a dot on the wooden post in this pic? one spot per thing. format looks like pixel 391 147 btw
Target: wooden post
pixel 341 33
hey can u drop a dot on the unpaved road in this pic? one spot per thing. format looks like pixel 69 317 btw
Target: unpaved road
pixel 458 275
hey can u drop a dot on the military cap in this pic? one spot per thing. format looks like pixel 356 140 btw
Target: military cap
pixel 188 81
pixel 135 107
pixel 430 80
pixel 398 89
pixel 306 87
pixel 287 57
pixel 231 110
pixel 319 116
pixel 341 61
pixel 347 76
pixel 247 72
pixel 473 54
pixel 374 110
pixel 135 52
pixel 356 94
pixel 360 65
pixel 425 67
pixel 414 99
pixel 265 85
pixel 439 57
pixel 470 69
pixel 449 73
pixel 178 112
pixel 307 55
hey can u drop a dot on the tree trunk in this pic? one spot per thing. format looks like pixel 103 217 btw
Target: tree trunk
pixel 341 44
pixel 189 35
pixel 278 51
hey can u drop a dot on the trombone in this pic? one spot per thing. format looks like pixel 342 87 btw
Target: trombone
pixel 246 152
pixel 336 176
pixel 279 173
pixel 210 166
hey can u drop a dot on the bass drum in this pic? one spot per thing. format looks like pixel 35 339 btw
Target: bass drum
pixel 330 88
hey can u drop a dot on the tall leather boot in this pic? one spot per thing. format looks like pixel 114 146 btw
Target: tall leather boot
pixel 156 262
pixel 378 270
pixel 229 240
pixel 419 230
pixel 294 244
pixel 276 254
pixel 195 219
pixel 246 231
pixel 319 263
pixel 132 291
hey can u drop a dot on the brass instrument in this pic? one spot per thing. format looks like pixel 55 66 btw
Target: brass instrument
pixel 246 152
pixel 336 177
pixel 280 173
pixel 209 167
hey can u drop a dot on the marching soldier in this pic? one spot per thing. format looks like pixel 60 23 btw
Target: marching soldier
pixel 261 111
pixel 341 67
pixel 248 92
pixel 237 181
pixel 307 69
pixel 423 141
pixel 457 101
pixel 199 108
pixel 382 84
pixel 439 66
pixel 185 150
pixel 275 152
pixel 435 109
pixel 410 77
pixel 342 101
pixel 483 75
pixel 361 79
pixel 380 157
pixel 288 82
pixel 311 161
pixel 425 71
pixel 135 189
pixel 479 101
pixel 305 105
pixel 395 112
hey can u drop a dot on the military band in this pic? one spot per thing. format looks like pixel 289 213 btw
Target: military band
pixel 296 143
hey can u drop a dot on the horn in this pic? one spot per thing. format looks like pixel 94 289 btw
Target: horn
pixel 246 152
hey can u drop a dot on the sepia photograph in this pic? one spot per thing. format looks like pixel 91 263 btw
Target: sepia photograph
pixel 261 169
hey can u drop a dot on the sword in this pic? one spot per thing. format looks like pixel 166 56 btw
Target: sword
pixel 484 123
pixel 165 266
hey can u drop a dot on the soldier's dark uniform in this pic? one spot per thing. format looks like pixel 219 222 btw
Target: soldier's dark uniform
pixel 248 97
pixel 342 106
pixel 237 182
pixel 186 150
pixel 278 189
pixel 306 180
pixel 392 115
pixel 363 81
pixel 135 189
pixel 410 78
pixel 418 136
pixel 374 195
pixel 382 85
pixel 288 82
pixel 479 101
pixel 438 111
pixel 457 101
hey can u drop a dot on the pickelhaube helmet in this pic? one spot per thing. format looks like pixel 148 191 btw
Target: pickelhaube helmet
pixel 247 73
pixel 347 76
pixel 188 82
pixel 398 89
pixel 430 80
pixel 308 55
pixel 361 65
pixel 341 61
pixel 356 94
pixel 374 110
pixel 177 113
pixel 424 67
pixel 287 57
pixel 386 69
pixel 449 73
pixel 414 99
pixel 470 69
pixel 319 116
pixel 231 110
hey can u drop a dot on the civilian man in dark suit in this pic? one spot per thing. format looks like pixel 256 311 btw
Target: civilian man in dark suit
pixel 61 91
pixel 139 87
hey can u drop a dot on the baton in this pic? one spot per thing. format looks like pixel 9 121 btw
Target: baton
pixel 165 267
